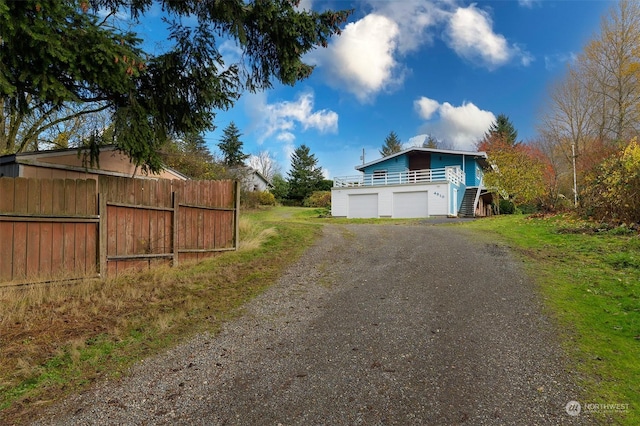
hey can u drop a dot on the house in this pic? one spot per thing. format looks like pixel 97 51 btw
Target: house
pixel 73 164
pixel 258 182
pixel 251 179
pixel 413 183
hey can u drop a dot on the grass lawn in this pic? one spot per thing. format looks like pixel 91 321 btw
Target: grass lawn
pixel 590 282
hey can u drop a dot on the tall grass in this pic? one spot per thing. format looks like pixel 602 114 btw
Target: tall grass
pixel 252 234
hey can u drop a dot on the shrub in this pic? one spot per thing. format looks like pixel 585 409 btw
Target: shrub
pixel 507 207
pixel 253 199
pixel 611 191
pixel 318 199
pixel 266 198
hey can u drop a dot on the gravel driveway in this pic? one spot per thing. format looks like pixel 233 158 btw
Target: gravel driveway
pixel 425 325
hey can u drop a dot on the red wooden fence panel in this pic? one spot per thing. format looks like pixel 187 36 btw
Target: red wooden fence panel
pixel 48 229
pixel 206 221
pixel 53 228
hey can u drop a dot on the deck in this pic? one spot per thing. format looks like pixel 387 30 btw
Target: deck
pixel 453 175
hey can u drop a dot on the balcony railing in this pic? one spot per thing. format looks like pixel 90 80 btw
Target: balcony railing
pixel 454 175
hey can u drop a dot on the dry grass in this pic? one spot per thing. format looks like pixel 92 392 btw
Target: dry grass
pixel 252 235
pixel 57 337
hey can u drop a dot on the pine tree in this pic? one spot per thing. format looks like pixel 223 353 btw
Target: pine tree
pixel 502 129
pixel 391 145
pixel 192 157
pixel 430 142
pixel 305 176
pixel 231 147
pixel 280 188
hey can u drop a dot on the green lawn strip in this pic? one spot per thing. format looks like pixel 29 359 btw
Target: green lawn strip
pixel 200 298
pixel 591 284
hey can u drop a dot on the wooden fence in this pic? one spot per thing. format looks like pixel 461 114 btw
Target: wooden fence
pixel 55 228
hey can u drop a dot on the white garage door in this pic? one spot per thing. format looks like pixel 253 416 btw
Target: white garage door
pixel 410 204
pixel 363 205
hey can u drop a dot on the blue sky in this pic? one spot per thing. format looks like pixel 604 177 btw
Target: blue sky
pixel 416 67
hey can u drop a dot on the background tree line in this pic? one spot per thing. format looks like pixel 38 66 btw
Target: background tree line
pixel 589 124
pixel 192 157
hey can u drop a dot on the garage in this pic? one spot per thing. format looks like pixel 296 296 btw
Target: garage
pixel 410 204
pixel 363 205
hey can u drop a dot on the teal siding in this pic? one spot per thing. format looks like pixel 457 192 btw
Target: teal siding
pixel 472 170
pixel 392 165
pixel 461 189
pixel 470 166
pixel 440 161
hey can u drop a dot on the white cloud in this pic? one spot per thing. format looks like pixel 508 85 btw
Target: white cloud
pixel 527 3
pixel 470 34
pixel 417 140
pixel 282 119
pixel 426 107
pixel 552 62
pixel 461 126
pixel 305 5
pixel 287 137
pixel 367 58
pixel 413 19
pixel 231 52
pixel 361 60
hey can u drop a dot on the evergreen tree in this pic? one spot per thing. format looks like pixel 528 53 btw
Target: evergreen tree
pixel 430 142
pixel 231 147
pixel 56 53
pixel 280 188
pixel 192 157
pixel 391 145
pixel 194 144
pixel 502 129
pixel 305 176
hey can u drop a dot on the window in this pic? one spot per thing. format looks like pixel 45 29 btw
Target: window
pixel 379 174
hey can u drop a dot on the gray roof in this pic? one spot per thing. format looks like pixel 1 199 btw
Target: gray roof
pixel 479 155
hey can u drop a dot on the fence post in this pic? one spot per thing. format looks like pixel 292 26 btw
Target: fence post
pixel 174 238
pixel 236 214
pixel 102 234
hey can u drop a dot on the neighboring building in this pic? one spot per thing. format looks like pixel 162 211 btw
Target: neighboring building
pixel 73 164
pixel 251 179
pixel 258 182
pixel 416 182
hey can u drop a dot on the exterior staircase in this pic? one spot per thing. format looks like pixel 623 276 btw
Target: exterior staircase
pixel 467 208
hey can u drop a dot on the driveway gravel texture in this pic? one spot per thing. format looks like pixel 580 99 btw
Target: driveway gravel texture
pixel 374 325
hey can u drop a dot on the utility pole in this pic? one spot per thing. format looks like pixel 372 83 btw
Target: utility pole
pixel 575 181
pixel 362 156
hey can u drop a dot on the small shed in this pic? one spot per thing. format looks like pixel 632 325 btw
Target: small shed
pixel 73 163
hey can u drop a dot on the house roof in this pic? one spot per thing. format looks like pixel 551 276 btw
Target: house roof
pixel 251 170
pixel 263 177
pixel 481 155
pixel 34 159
